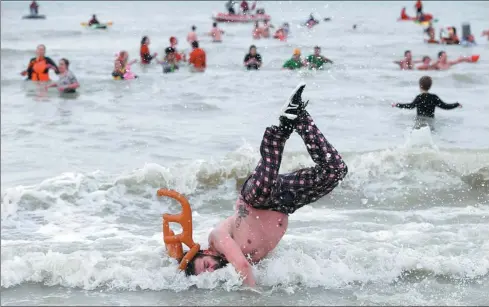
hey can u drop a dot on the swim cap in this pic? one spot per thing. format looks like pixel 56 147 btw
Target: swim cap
pixel 297 51
pixel 169 50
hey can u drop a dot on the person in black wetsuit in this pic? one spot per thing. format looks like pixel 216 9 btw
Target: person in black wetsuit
pixel 425 104
pixel 252 60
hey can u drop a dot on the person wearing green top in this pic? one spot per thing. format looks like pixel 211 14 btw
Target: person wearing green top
pixel 295 62
pixel 316 60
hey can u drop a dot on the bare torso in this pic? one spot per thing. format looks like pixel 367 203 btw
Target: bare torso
pixel 406 64
pixel 257 232
pixel 442 65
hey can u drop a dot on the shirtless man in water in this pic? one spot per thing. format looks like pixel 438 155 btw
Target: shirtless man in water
pixel 443 63
pixel 267 198
pixel 407 63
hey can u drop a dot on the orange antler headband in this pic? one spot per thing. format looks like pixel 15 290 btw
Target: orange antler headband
pixel 174 243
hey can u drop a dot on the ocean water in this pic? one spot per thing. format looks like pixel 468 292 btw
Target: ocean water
pixel 80 222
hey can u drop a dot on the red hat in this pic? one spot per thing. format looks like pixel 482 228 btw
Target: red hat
pixel 173 39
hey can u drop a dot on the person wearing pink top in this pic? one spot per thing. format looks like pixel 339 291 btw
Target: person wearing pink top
pixel 192 36
pixel 216 33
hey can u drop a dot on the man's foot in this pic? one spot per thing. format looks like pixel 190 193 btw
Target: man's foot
pixel 294 104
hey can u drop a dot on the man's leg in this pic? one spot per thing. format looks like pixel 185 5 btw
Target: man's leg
pixel 307 185
pixel 258 187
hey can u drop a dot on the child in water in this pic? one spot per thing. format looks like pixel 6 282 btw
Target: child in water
pixel 122 67
pixel 169 63
pixel 425 104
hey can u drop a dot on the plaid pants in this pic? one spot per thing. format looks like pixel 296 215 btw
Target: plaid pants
pixel 266 189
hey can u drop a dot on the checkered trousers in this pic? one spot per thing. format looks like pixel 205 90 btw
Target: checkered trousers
pixel 266 189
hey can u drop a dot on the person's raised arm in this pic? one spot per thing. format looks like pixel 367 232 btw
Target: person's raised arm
pixel 446 106
pixel 459 60
pixel 224 244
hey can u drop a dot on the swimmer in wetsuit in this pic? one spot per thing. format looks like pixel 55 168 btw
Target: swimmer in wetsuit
pixel 252 60
pixel 38 67
pixel 267 198
pixel 425 104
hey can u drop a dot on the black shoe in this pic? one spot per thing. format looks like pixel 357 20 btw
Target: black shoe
pixel 294 104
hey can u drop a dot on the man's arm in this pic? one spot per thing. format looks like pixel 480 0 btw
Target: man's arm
pixel 459 60
pixel 221 240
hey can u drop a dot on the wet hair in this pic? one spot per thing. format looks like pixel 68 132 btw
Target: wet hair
pixel 251 47
pixel 169 50
pixel 143 40
pixel 194 28
pixel 195 44
pixel 190 270
pixel 406 52
pixel 425 83
pixel 214 24
pixel 67 63
pixel 454 30
pixel 41 45
pixel 317 47
pixel 426 58
pixel 440 54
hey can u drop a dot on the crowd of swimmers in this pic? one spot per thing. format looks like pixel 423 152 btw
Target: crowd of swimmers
pixel 442 62
pixel 449 36
pixel 38 68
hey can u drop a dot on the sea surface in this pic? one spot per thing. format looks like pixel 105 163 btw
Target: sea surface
pixel 80 221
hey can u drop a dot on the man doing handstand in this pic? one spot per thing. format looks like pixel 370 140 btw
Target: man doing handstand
pixel 267 198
